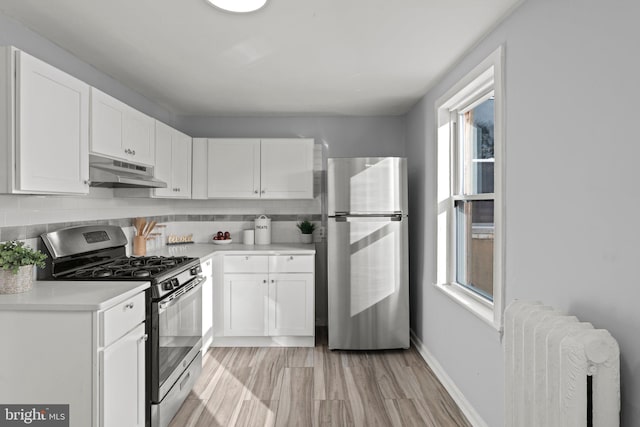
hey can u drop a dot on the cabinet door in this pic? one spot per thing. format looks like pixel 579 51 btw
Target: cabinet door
pixel 233 168
pixel 286 168
pixel 122 381
pixel 181 167
pixel 138 137
pixel 199 172
pixel 119 131
pixel 207 304
pixel 163 168
pixel 107 119
pixel 291 304
pixel 52 133
pixel 245 300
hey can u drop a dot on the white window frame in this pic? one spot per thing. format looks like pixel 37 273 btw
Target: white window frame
pixel 487 76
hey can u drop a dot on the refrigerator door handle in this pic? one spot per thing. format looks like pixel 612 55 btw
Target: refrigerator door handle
pixel 381 217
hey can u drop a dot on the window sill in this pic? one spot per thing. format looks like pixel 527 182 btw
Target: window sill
pixel 481 310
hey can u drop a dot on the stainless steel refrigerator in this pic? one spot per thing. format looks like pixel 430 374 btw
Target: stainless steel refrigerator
pixel 368 253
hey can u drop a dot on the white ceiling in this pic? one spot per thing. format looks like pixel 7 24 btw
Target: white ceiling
pixel 293 57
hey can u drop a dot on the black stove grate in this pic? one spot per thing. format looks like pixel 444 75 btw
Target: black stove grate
pixel 129 268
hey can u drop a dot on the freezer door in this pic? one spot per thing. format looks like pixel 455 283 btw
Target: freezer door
pixel 368 283
pixel 367 185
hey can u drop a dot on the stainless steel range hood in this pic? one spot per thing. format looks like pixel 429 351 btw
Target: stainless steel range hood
pixel 116 174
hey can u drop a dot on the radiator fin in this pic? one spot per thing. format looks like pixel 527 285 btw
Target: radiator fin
pixel 548 357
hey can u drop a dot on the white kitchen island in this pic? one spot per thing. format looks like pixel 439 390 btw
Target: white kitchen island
pixel 76 343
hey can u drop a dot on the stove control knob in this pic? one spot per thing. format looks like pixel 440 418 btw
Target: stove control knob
pixel 175 283
pixel 167 286
pixel 195 270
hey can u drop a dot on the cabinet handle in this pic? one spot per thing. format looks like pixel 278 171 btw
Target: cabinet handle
pixel 246 258
pixel 87 182
pixel 129 306
pixel 133 152
pixel 291 258
pixel 263 191
pixel 255 191
pixel 184 381
pixel 273 281
pixel 264 281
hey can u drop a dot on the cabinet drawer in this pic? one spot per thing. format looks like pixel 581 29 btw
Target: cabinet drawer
pixel 117 321
pixel 246 264
pixel 291 264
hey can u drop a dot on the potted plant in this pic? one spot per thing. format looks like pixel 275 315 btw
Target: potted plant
pixel 17 262
pixel 306 229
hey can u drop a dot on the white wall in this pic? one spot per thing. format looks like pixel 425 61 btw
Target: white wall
pixel 572 70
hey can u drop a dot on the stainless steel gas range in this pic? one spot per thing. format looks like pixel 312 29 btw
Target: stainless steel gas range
pixel 173 305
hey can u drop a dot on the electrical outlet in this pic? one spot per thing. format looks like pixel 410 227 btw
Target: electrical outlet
pixel 322 232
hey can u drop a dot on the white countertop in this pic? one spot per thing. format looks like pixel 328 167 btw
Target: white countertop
pixel 206 250
pixel 60 295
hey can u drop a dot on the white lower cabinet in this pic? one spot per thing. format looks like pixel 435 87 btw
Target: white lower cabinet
pixel 94 361
pixel 269 296
pixel 244 305
pixel 207 304
pixel 291 304
pixel 122 374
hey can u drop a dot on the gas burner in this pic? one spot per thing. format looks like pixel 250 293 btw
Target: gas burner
pixel 141 273
pixel 102 273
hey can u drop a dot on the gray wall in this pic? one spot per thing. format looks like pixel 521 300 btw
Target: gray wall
pixel 572 147
pixel 342 136
pixel 13 33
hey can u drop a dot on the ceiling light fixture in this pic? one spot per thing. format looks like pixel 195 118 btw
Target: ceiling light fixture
pixel 238 6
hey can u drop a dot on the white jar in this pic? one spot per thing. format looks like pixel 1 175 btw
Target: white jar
pixel 263 230
pixel 248 237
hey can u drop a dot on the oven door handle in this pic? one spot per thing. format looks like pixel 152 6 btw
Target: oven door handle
pixel 187 289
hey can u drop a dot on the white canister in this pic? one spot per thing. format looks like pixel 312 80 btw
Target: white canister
pixel 263 230
pixel 248 237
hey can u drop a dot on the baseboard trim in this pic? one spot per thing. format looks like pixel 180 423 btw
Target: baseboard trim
pixel 466 408
pixel 287 341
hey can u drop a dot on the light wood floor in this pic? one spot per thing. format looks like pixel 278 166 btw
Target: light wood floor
pixel 317 387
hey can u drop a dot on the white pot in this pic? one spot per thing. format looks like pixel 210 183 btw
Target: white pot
pixel 306 238
pixel 22 281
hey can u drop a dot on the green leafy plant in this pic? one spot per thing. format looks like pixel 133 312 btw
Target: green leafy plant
pixel 306 227
pixel 14 255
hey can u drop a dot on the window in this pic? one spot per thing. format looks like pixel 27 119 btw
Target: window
pixel 470 190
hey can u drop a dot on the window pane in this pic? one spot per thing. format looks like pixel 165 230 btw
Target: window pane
pixel 476 148
pixel 474 246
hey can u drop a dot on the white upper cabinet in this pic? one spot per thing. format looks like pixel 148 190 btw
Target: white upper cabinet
pixel 233 168
pixel 121 132
pixel 173 162
pixel 44 127
pixel 286 168
pixel 252 168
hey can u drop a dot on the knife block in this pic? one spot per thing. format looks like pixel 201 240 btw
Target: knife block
pixel 139 245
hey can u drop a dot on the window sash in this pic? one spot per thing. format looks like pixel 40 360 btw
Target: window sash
pixel 485 80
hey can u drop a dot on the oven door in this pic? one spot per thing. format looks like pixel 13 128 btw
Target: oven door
pixel 176 336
